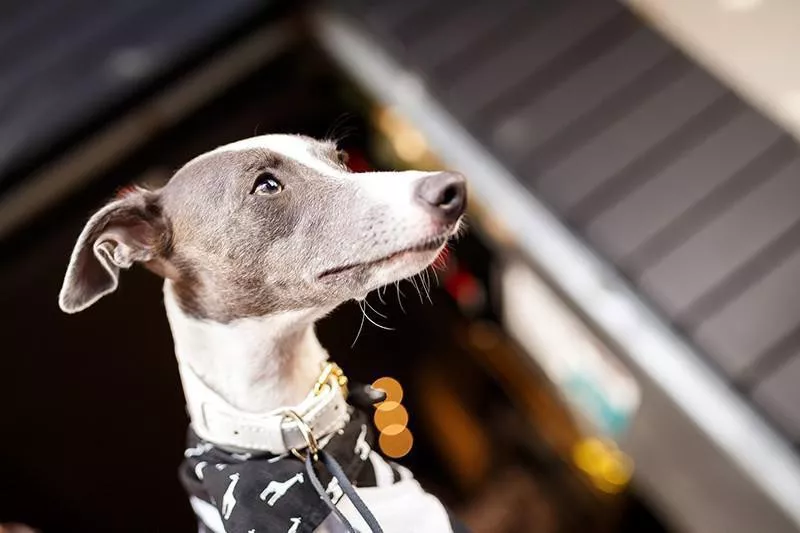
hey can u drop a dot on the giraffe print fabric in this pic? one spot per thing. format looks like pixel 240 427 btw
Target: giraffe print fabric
pixel 266 493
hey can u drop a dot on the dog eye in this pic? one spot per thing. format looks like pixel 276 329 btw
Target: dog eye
pixel 343 157
pixel 266 185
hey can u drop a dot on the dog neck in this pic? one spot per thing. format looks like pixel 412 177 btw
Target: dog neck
pixel 255 364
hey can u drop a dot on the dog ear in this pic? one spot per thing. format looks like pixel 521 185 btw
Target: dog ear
pixel 126 231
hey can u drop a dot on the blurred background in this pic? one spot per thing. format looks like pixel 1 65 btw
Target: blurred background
pixel 614 346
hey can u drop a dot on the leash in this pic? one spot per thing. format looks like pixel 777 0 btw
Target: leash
pixel 344 483
pixel 360 395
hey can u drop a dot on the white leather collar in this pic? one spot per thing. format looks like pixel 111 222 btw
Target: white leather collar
pixel 215 420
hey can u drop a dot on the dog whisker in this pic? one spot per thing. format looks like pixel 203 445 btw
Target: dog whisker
pixel 331 134
pixel 366 315
pixel 463 229
pixel 400 296
pixel 375 310
pixel 381 326
pixel 440 263
pixel 360 326
pixel 424 285
pixel 340 129
pixel 413 281
pixel 430 284
pixel 424 277
pixel 381 291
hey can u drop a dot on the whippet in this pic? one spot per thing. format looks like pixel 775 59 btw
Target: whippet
pixel 256 240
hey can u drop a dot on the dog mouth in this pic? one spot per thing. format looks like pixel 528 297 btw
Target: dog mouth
pixel 426 246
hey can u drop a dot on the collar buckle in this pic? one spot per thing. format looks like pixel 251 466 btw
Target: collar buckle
pixel 331 372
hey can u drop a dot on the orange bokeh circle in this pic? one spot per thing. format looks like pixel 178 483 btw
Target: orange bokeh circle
pixel 396 441
pixel 392 388
pixel 390 413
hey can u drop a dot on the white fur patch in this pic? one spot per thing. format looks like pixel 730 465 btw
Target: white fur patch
pixel 396 190
pixel 292 146
pixel 244 360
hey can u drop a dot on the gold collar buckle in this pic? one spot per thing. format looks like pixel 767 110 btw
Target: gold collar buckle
pixel 329 372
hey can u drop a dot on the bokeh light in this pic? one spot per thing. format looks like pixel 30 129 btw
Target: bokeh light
pixel 391 419
pixel 607 467
pixel 392 388
pixel 396 441
pixel 390 413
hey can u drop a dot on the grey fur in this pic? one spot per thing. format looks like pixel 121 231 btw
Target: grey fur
pixel 232 254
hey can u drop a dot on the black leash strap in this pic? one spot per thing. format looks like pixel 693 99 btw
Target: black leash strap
pixel 336 471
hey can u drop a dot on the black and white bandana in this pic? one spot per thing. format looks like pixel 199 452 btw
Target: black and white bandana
pixel 264 493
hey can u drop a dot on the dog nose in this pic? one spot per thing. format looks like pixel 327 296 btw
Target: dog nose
pixel 444 194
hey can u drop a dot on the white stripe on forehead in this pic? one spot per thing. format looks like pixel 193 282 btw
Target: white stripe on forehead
pixel 294 147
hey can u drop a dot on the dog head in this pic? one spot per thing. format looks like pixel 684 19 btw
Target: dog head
pixel 265 225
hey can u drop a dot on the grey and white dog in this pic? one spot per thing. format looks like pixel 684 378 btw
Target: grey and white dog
pixel 256 240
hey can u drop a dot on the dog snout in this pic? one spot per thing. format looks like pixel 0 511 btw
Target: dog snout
pixel 443 194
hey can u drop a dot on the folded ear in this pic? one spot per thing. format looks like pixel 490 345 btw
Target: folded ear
pixel 129 230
